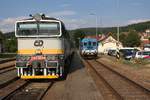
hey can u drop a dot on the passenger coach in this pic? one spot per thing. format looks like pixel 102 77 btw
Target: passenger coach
pixel 44 48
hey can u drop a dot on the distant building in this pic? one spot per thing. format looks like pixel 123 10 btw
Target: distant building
pixel 145 38
pixel 108 42
pixel 147 32
pixel 146 47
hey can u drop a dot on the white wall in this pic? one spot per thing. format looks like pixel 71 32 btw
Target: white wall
pixel 103 48
pixel 109 43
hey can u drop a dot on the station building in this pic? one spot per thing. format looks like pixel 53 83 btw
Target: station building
pixel 108 42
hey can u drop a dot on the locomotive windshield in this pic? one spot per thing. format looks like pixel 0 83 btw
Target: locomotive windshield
pixel 40 28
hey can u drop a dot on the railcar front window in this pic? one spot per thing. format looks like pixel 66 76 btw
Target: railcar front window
pixel 31 29
pixel 94 43
pixel 85 44
pixel 90 43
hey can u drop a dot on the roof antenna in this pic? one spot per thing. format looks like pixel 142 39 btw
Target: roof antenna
pixel 43 15
pixel 30 15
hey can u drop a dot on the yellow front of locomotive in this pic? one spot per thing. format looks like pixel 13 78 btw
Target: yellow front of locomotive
pixel 40 49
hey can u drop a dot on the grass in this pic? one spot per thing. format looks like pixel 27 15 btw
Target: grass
pixel 7 55
pixel 136 62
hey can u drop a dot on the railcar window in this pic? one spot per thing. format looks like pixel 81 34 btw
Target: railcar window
pixel 31 28
pixel 90 43
pixel 85 44
pixel 94 43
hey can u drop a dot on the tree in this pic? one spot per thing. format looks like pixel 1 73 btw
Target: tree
pixel 1 36
pixel 132 39
pixel 10 45
pixel 122 38
pixel 78 35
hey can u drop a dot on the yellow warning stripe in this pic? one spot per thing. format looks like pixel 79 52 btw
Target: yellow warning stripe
pixel 44 51
pixel 40 77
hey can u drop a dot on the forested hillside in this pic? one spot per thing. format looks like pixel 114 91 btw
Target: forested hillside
pixel 139 27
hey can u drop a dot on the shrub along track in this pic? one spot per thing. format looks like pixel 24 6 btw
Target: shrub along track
pixel 114 84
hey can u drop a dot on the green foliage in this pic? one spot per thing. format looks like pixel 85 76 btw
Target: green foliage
pixel 1 37
pixel 10 45
pixel 122 38
pixel 139 27
pixel 132 39
pixel 78 35
pixel 149 39
pixel 4 55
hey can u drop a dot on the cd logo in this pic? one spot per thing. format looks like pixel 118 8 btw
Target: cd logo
pixel 38 43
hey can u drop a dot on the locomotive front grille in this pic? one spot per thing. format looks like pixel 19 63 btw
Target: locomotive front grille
pixel 52 64
pixel 21 64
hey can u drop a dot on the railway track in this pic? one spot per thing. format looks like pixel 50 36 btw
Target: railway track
pixel 114 85
pixel 31 91
pixel 25 90
pixel 7 60
pixel 7 73
pixel 7 66
pixel 11 87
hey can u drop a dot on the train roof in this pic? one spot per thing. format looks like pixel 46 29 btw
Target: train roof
pixel 44 18
pixel 88 39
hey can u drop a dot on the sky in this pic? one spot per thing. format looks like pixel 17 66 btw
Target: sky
pixel 76 13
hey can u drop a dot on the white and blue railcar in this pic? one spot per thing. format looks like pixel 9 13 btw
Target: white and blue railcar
pixel 89 47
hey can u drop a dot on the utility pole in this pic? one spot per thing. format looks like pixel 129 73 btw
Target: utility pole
pixel 118 31
pixel 118 27
pixel 96 19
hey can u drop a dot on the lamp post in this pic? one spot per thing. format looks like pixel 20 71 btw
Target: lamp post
pixel 118 31
pixel 118 28
pixel 95 23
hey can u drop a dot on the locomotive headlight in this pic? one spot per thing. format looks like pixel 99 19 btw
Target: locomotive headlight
pixel 95 51
pixel 61 57
pixel 83 51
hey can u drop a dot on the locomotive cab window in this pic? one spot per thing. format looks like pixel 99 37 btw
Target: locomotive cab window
pixel 41 28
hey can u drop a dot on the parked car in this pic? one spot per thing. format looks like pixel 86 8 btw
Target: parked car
pixel 142 54
pixel 112 52
pixel 128 53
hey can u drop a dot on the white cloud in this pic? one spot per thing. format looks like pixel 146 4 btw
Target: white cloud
pixel 137 21
pixel 78 23
pixel 7 25
pixel 65 5
pixel 9 21
pixel 62 13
